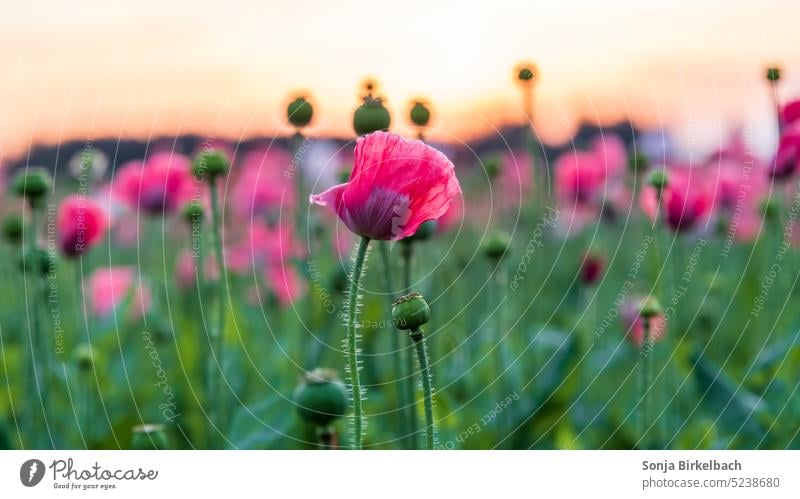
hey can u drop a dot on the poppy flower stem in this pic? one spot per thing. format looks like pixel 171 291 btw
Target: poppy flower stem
pixel 644 399
pixel 218 405
pixel 427 387
pixel 352 342
pixel 408 355
pixel 397 355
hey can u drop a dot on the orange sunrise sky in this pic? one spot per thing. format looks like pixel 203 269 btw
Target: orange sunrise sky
pixel 94 69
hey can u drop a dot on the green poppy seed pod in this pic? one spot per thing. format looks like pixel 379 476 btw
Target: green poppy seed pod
pixel 149 437
pixel 192 212
pixel 84 356
pixel 423 233
pixel 300 112
pixel 658 179
pixel 37 261
pixel 525 73
pixel 321 397
pixel 773 74
pixel 420 114
pixel 770 208
pixel 638 163
pixel 371 116
pixel 411 311
pixel 496 245
pixel 13 228
pixel 492 166
pixel 650 307
pixel 211 164
pixel 32 184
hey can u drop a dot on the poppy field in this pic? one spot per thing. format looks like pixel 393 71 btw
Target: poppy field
pixel 395 290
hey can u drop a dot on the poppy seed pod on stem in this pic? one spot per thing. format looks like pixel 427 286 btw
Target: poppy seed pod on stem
pixel 371 116
pixel 496 246
pixel 410 312
pixel 773 74
pixel 36 261
pixel 420 114
pixel 84 356
pixel 321 397
pixel 13 229
pixel 192 212
pixel 300 112
pixel 659 180
pixel 211 164
pixel 32 184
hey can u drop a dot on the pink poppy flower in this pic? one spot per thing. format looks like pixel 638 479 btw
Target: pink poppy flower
pixel 686 201
pixel 262 246
pixel 80 224
pixel 396 185
pixel 110 286
pixel 611 154
pixel 790 112
pixel 262 187
pixel 787 157
pixel 633 323
pixel 283 281
pixel 579 177
pixel 159 185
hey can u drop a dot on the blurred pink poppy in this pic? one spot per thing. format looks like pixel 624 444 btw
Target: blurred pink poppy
pixel 686 202
pixel 262 246
pixel 790 113
pixel 109 287
pixel 284 283
pixel 262 186
pixel 787 156
pixel 396 185
pixel 633 323
pixel 159 185
pixel 80 224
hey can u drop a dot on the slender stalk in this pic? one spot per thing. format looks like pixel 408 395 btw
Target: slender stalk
pixel 397 354
pixel 218 406
pixel 352 342
pixel 427 387
pixel 408 356
pixel 644 401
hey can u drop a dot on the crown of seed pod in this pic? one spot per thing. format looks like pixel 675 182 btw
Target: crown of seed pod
pixel 192 212
pixel 84 355
pixel 420 114
pixel 37 261
pixel 658 179
pixel 410 312
pixel 211 164
pixel 321 397
pixel 773 74
pixel 300 112
pixel 13 228
pixel 32 184
pixel 371 116
pixel 526 72
pixel 650 307
pixel 496 245
pixel 149 437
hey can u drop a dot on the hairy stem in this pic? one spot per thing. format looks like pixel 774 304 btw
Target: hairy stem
pixel 218 406
pixel 352 342
pixel 427 388
pixel 408 356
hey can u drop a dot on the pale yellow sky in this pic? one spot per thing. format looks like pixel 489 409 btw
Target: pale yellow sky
pixel 147 68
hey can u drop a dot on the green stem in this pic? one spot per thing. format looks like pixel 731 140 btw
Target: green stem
pixel 427 388
pixel 397 354
pixel 218 405
pixel 352 342
pixel 644 411
pixel 408 356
